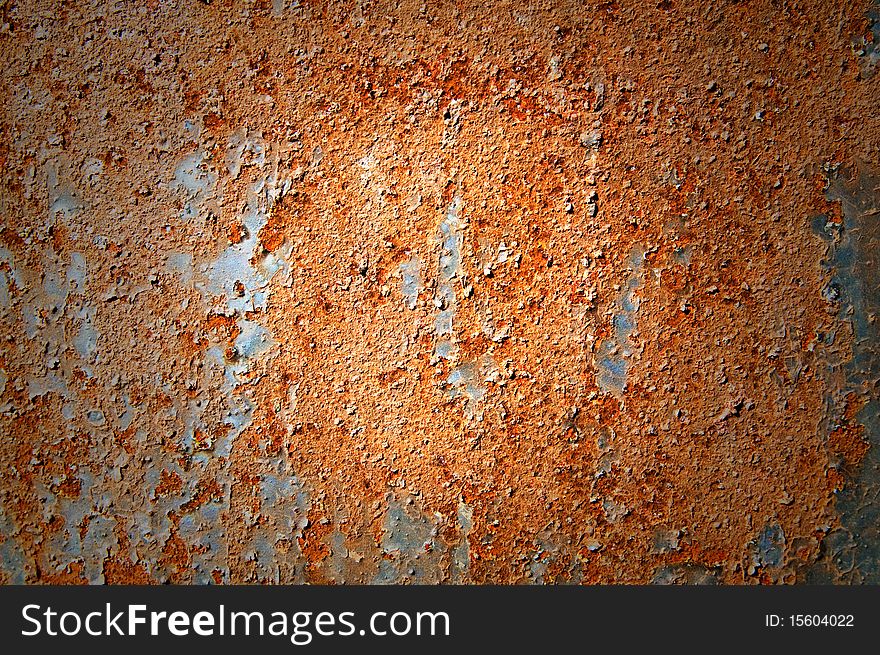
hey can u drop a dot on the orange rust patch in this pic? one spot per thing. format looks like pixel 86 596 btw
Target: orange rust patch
pixel 170 483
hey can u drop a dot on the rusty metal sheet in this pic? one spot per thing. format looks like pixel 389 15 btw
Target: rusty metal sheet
pixel 429 292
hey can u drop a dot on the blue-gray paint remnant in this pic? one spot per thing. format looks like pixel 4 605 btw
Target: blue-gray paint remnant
pixel 768 549
pixel 412 281
pixel 687 574
pixel 410 541
pixel 339 563
pixel 665 541
pixel 614 354
pixel 272 547
pixel 451 241
pixel 70 544
pixel 14 565
pixel 196 179
pixel 851 553
pixel 553 552
pixel 467 381
pixel 461 553
pixel 869 51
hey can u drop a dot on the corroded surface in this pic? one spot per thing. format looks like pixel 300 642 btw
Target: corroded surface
pixel 439 292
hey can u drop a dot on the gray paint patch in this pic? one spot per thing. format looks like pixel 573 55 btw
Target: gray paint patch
pixel 613 355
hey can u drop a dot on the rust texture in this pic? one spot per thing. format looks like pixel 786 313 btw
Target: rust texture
pixel 439 292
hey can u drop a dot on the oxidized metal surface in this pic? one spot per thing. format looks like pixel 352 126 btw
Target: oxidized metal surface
pixel 439 292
